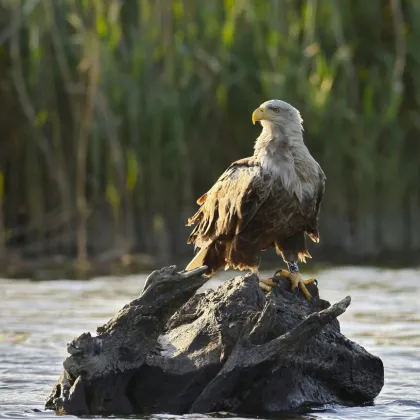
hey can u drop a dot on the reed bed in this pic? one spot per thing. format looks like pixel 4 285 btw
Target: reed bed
pixel 115 115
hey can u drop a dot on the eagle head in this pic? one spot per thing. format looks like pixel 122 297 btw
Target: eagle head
pixel 279 113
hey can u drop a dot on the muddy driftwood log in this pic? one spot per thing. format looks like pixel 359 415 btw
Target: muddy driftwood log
pixel 232 349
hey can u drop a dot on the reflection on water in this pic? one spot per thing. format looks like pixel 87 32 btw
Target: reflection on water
pixel 38 319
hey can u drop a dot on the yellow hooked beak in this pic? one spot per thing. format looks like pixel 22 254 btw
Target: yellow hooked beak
pixel 258 115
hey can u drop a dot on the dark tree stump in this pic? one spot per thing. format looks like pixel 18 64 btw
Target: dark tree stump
pixel 232 349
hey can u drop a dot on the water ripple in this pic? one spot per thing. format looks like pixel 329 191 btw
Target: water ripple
pixel 37 319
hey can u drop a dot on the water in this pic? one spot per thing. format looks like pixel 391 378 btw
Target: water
pixel 37 319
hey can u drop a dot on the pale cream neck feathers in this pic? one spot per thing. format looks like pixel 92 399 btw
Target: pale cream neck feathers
pixel 284 156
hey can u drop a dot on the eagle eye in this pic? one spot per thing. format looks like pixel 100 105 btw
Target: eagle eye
pixel 276 110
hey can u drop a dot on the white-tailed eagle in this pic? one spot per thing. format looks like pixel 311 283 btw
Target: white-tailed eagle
pixel 271 199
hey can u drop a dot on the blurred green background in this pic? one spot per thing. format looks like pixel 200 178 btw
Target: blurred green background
pixel 116 115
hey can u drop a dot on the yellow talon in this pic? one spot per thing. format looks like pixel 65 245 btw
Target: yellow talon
pixel 297 281
pixel 267 284
pixel 309 281
pixel 304 290
pixel 265 287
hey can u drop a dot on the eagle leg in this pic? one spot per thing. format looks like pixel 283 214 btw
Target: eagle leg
pixel 297 281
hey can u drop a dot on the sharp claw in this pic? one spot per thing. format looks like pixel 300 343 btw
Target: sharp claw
pixel 315 282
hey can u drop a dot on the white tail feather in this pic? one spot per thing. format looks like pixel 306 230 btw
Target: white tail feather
pixel 198 259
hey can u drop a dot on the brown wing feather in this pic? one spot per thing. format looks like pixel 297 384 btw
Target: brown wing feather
pixel 290 242
pixel 312 228
pixel 230 204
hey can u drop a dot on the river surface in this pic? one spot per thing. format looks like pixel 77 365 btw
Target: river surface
pixel 37 319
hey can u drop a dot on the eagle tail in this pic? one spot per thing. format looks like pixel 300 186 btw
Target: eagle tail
pixel 212 254
pixel 198 260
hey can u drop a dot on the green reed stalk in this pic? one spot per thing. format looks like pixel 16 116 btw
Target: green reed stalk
pixel 127 111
